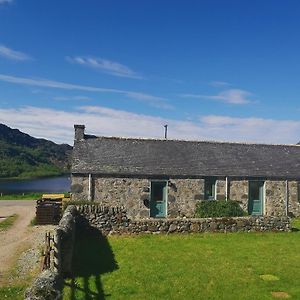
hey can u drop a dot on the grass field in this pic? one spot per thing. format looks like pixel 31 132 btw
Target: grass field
pixel 31 196
pixel 8 222
pixel 200 266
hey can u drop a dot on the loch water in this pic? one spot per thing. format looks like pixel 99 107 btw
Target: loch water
pixel 58 184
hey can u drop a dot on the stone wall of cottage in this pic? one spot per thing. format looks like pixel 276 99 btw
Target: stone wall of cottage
pixel 238 190
pixel 80 187
pixel 183 194
pixel 275 198
pixel 294 204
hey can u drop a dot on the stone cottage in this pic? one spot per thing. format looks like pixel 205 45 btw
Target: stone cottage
pixel 165 178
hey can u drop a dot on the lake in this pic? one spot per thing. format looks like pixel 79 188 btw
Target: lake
pixel 38 185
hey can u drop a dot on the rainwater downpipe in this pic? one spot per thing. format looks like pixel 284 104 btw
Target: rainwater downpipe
pixel 286 198
pixel 226 188
pixel 90 188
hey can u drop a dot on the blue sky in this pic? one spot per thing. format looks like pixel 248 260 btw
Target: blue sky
pixel 212 70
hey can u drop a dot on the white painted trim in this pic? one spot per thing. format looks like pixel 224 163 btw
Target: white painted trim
pixel 90 188
pixel 264 199
pixel 286 197
pixel 226 188
pixel 216 195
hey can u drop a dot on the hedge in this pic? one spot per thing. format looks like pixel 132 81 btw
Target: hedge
pixel 218 208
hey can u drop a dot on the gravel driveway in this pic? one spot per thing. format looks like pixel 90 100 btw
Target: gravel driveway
pixel 20 238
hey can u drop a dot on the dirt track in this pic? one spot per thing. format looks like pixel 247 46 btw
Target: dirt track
pixel 15 239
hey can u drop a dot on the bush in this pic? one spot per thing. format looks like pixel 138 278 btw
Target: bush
pixel 218 208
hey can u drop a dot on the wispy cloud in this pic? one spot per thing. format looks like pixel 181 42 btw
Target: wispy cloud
pixel 104 65
pixel 77 98
pixel 111 122
pixel 5 1
pixel 231 96
pixel 219 84
pixel 38 82
pixel 12 54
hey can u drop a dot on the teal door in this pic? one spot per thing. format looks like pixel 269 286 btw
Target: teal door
pixel 158 203
pixel 256 198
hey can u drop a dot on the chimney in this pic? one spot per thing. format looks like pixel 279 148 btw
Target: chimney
pixel 79 132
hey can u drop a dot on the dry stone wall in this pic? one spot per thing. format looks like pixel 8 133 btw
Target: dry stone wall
pixel 115 221
pixel 49 283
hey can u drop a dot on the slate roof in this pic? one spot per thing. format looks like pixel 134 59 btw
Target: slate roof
pixel 149 157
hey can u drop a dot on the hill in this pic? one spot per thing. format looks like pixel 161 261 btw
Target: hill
pixel 24 156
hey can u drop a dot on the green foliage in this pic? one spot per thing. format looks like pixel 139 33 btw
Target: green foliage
pixel 33 222
pixel 31 196
pixel 22 156
pixel 8 222
pixel 218 208
pixel 12 292
pixel 296 224
pixel 197 266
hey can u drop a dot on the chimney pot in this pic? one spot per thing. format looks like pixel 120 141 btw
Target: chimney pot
pixel 79 132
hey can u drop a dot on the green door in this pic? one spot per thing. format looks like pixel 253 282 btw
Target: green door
pixel 158 203
pixel 256 198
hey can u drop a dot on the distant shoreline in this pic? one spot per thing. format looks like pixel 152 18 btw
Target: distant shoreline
pixel 35 177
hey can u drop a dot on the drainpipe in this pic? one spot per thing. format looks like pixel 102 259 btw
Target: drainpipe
pixel 226 188
pixel 90 188
pixel 286 197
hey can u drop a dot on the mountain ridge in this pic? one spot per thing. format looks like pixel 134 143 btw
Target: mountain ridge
pixel 24 156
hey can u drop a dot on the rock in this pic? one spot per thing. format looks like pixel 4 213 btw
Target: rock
pixel 172 228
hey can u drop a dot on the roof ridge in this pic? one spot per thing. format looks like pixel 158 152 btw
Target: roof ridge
pixel 191 141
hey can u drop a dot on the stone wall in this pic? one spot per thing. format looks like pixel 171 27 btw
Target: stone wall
pixel 238 190
pixel 275 198
pixel 49 283
pixel 80 187
pixel 111 220
pixel 293 202
pixel 183 194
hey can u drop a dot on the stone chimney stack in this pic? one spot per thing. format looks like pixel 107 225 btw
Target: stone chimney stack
pixel 79 132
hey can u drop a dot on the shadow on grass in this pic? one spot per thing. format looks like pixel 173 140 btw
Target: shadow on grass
pixel 93 257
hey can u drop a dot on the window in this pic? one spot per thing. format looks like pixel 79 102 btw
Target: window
pixel 210 188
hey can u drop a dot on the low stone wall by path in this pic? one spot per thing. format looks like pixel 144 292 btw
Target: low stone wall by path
pixel 48 284
pixel 115 221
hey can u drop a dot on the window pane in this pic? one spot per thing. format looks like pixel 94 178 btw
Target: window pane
pixel 209 189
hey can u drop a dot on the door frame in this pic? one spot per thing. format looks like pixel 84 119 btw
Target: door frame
pixel 165 195
pixel 263 194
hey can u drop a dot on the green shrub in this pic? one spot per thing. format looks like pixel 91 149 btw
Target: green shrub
pixel 218 208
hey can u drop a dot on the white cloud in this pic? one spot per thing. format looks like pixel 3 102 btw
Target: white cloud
pixel 231 96
pixel 104 65
pixel 12 54
pixel 5 1
pixel 57 125
pixel 38 82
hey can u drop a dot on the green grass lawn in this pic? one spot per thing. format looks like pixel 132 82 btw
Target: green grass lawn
pixel 199 266
pixel 8 222
pixel 31 196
